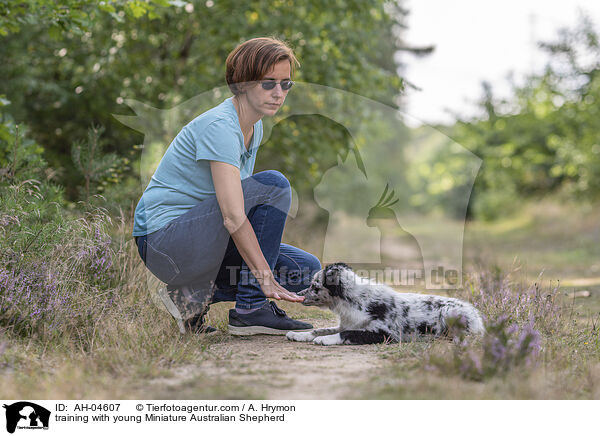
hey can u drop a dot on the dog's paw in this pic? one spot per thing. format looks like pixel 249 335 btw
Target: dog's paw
pixel 300 336
pixel 328 340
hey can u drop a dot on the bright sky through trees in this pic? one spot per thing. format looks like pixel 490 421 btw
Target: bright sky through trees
pixel 478 41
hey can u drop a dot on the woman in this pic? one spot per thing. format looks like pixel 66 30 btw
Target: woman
pixel 209 228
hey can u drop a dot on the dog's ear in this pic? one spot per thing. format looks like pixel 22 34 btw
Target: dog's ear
pixel 340 265
pixel 333 279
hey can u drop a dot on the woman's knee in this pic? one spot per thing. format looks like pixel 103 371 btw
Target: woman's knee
pixel 272 178
pixel 309 266
pixel 274 188
pixel 312 264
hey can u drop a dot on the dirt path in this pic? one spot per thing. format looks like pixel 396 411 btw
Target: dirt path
pixel 280 369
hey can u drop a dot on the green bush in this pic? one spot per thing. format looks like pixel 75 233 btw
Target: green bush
pixel 56 269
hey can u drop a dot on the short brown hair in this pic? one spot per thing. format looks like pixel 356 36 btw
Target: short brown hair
pixel 251 60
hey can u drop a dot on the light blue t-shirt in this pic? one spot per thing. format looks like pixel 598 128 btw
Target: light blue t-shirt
pixel 183 178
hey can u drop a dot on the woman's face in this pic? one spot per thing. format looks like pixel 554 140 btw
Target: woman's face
pixel 268 102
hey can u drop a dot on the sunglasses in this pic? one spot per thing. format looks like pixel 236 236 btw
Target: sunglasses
pixel 270 84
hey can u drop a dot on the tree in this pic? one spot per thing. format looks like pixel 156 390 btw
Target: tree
pixel 173 54
pixel 91 161
pixel 544 138
pixel 68 16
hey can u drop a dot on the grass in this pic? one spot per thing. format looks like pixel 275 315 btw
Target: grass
pixel 561 240
pixel 568 368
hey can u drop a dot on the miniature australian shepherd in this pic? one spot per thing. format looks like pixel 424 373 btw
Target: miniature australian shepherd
pixel 372 313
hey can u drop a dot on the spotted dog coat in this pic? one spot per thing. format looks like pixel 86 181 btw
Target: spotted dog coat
pixel 373 313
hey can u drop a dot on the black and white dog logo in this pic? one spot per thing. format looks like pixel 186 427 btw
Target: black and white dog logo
pixel 26 415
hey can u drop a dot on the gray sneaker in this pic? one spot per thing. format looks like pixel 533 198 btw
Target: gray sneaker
pixel 268 320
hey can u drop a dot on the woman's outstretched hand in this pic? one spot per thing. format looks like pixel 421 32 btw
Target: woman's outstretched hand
pixel 272 289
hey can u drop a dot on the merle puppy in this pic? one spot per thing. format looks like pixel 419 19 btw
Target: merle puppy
pixel 373 313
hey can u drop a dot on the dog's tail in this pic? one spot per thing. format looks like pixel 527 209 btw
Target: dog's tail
pixel 476 324
pixel 467 318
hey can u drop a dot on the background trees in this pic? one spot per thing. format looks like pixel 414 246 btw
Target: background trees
pixel 59 82
pixel 542 140
pixel 72 65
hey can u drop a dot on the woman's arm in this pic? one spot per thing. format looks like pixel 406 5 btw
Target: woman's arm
pixel 230 197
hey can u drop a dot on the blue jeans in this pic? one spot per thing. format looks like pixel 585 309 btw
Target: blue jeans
pixel 195 251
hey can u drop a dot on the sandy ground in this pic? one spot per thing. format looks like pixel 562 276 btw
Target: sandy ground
pixel 278 369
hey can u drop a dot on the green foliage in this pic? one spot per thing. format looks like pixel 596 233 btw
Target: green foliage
pixel 90 159
pixel 71 16
pixel 544 138
pixel 31 217
pixel 182 52
pixel 30 204
pixel 439 174
pixel 20 156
